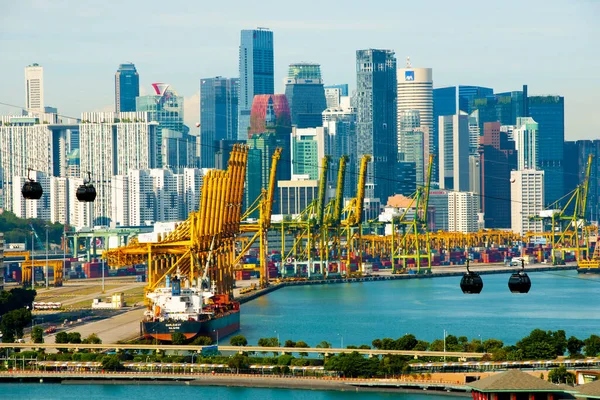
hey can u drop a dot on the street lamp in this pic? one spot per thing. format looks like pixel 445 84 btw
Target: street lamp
pixel 32 263
pixel 214 330
pixel 341 340
pixel 278 343
pixel 444 345
pixel 46 272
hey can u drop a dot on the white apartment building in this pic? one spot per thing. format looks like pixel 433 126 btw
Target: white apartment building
pixel 34 88
pixel 59 200
pixel 80 213
pixel 527 200
pixel 463 209
pixel 190 188
pixel 415 92
pixel 141 197
pixel 454 152
pixel 166 195
pixel 526 139
pixel 24 208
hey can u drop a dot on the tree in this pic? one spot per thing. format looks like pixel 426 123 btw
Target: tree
pixel 74 337
pixel 561 375
pixel 302 344
pixel 574 346
pixel 13 323
pixel 324 345
pixel 352 365
pixel 111 363
pixel 238 340
pixel 289 343
pixel 406 342
pixel 37 334
pixel 178 338
pixel 543 344
pixel 592 346
pixel 61 337
pixel 238 361
pixel 202 341
pixel 490 345
pixel 92 339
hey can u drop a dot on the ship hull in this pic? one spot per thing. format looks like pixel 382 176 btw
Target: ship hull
pixel 215 328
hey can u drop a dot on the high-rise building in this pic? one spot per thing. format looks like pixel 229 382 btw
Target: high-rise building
pixel 474 132
pixel 467 94
pixel 24 208
pixel 334 93
pixel 308 150
pixel 376 118
pixel 527 200
pixel 297 194
pixel 306 95
pixel 454 152
pixel 34 88
pixel 127 87
pixel 526 143
pixel 166 108
pixel 575 167
pixel 415 92
pixel 256 73
pixel 218 115
pixel 438 201
pixel 463 208
pixel 59 200
pixel 262 146
pixel 412 146
pixel 497 159
pixel 222 151
pixel 2 272
pixel 549 113
pixel 141 197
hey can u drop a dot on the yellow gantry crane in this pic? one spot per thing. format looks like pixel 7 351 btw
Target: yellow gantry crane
pixel 202 245
pixel 265 206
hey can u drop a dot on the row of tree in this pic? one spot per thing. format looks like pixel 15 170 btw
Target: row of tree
pixel 15 314
pixel 18 230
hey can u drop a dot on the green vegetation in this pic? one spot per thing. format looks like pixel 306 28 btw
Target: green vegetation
pixel 13 323
pixel 238 340
pixel 37 334
pixel 18 230
pixel 561 375
pixel 111 363
pixel 178 338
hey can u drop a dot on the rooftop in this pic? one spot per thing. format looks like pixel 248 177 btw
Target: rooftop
pixel 514 381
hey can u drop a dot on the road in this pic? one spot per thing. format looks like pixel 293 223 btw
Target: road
pixel 120 327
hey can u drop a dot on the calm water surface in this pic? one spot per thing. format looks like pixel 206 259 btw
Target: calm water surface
pixel 361 312
pixel 161 392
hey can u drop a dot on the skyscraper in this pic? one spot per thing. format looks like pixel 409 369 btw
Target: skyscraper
pixel 376 118
pixel 333 94
pixel 218 115
pixel 308 149
pixel 415 92
pixel 127 87
pixel 305 94
pixel 467 94
pixel 527 200
pixel 454 152
pixel 549 113
pixel 166 108
pixel 34 88
pixel 526 143
pixel 256 73
pixel 497 158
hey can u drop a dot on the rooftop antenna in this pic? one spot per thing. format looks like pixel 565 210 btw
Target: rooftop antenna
pixel 408 62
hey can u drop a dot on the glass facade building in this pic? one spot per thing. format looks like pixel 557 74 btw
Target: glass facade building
pixel 256 73
pixel 218 115
pixel 549 113
pixel 467 94
pixel 376 96
pixel 305 94
pixel 166 108
pixel 127 88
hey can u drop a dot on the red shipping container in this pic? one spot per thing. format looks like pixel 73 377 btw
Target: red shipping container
pixel 17 275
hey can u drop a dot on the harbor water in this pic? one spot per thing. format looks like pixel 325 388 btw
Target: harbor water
pixel 357 313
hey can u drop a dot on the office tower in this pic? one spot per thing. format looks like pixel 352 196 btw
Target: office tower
pixel 454 152
pixel 340 123
pixel 2 271
pixel 474 132
pixel 497 159
pixel 415 92
pixel 412 146
pixel 527 200
pixel 376 118
pixel 261 148
pixel 526 143
pixel 256 73
pixel 308 149
pixel 296 194
pixel 475 174
pixel 438 201
pixel 575 167
pixel 34 88
pixel 405 178
pixel 271 114
pixel 109 148
pixel 463 208
pixel 222 151
pixel 305 95
pixel 218 115
pixel 549 113
pixel 127 88
pixel 334 93
pixel 444 103
pixel 165 106
pixel 178 150
pixel 467 95
pixel 503 107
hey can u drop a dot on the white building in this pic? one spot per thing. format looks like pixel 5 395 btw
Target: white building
pixel 190 188
pixel 463 209
pixel 1 261
pixel 296 194
pixel 166 195
pixel 80 213
pixel 474 132
pixel 308 147
pixel 526 143
pixel 120 200
pixel 527 200
pixel 415 92
pixel 59 200
pixel 454 152
pixel 24 208
pixel 34 88
pixel 141 198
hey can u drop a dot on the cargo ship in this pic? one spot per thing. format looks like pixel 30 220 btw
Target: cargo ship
pixel 191 311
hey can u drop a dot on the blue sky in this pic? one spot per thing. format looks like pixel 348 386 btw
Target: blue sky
pixel 550 45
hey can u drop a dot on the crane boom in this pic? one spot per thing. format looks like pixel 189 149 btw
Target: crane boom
pixel 360 191
pixel 586 185
pixel 268 205
pixel 339 193
pixel 322 187
pixel 427 188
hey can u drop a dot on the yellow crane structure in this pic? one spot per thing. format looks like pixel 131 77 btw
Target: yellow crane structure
pixel 202 245
pixel 414 241
pixel 27 264
pixel 568 231
pixel 264 204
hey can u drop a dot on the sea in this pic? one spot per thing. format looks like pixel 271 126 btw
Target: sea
pixel 357 313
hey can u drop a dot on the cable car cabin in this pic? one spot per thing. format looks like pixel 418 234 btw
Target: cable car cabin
pixel 471 283
pixel 519 282
pixel 32 190
pixel 86 193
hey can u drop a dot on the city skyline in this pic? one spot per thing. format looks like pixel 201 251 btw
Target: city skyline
pixel 82 81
